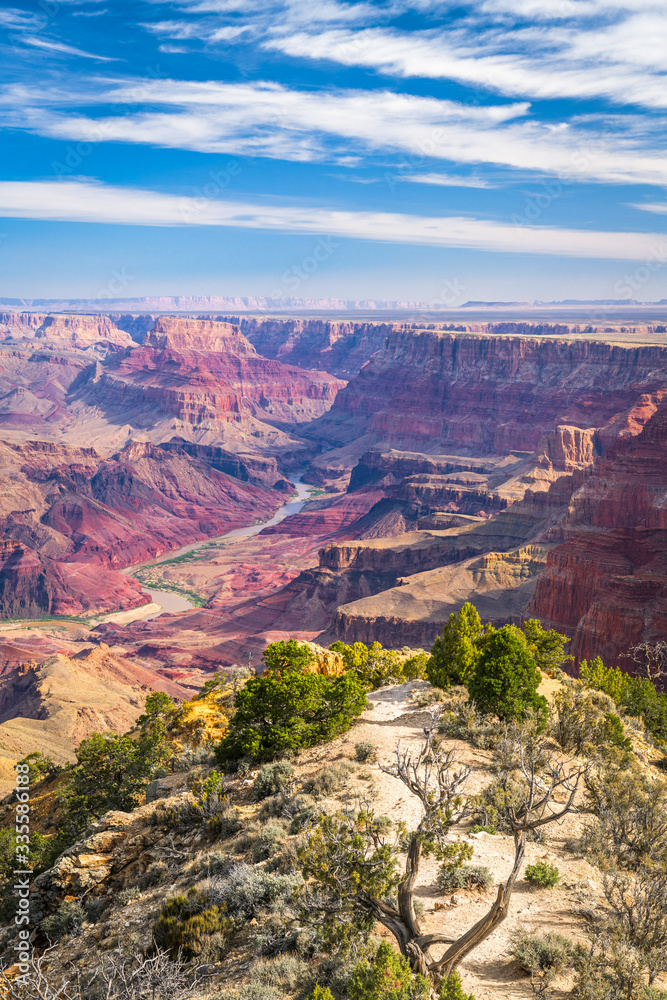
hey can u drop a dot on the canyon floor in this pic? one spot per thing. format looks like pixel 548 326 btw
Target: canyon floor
pixel 521 466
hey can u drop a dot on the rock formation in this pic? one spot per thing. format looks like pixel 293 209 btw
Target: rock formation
pixel 606 583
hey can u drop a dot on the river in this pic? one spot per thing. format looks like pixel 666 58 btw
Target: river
pixel 170 602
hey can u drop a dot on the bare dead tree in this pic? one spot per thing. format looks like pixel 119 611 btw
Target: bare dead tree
pixel 119 977
pixel 652 657
pixel 350 857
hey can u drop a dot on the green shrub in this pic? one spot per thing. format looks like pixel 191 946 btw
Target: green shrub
pixel 111 773
pixel 40 767
pixel 67 919
pixel 451 988
pixel 414 668
pixel 187 924
pixel 273 778
pixel 321 993
pixel 329 780
pixel 480 828
pixel 465 877
pixel 269 841
pixel 543 956
pixel 374 666
pixel 542 875
pixel 285 711
pixel 365 753
pixel 505 679
pixel 583 721
pixel 611 680
pixel 388 977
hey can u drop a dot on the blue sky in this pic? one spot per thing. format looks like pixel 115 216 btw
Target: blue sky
pixel 413 149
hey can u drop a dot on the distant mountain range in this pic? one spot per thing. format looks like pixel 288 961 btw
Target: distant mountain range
pixel 259 304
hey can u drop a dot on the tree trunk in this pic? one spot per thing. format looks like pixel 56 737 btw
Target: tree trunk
pixel 487 925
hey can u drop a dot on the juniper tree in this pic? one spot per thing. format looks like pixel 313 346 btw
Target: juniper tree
pixel 356 869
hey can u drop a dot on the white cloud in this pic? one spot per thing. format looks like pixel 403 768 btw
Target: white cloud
pixel 624 63
pixel 70 50
pixel 78 201
pixel 266 119
pixel 444 180
pixel 657 208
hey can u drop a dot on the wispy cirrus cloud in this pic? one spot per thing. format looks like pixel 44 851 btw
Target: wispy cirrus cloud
pixel 79 201
pixel 270 120
pixel 54 46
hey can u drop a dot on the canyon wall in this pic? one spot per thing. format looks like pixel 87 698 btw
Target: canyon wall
pixel 605 584
pixel 481 395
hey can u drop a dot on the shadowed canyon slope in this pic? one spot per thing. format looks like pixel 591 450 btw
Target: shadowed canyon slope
pixel 504 465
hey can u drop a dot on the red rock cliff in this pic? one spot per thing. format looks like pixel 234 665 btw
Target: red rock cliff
pixel 606 584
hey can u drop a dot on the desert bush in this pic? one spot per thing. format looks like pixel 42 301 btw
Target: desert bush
pixel 309 814
pixel 269 841
pixel 464 722
pixel 250 991
pixel 272 779
pixel 492 805
pixel 543 956
pixel 632 818
pixel 478 828
pixel 638 904
pixel 451 988
pixel 154 874
pixel 224 824
pixel 465 877
pixel 128 895
pixel 287 971
pixel 370 981
pixel 365 753
pixel 284 711
pixel 637 696
pixel 190 925
pixel 583 720
pixel 612 969
pixel 505 678
pixel 190 757
pixel 329 780
pixel 244 890
pixel 320 993
pixel 542 875
pixel 67 919
pixel 432 696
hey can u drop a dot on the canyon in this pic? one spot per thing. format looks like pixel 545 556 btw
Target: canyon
pixel 516 465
